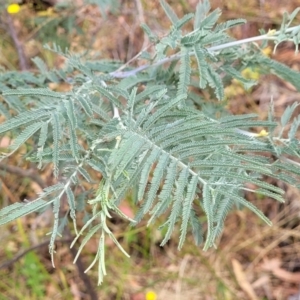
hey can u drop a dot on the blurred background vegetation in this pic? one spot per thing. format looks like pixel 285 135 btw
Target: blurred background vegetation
pixel 252 261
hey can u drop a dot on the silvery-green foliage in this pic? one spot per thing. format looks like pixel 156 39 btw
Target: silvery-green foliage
pixel 144 129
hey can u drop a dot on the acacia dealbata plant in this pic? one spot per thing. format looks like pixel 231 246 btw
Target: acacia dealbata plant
pixel 148 133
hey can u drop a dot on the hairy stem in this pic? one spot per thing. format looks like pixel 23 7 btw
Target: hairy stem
pixel 268 36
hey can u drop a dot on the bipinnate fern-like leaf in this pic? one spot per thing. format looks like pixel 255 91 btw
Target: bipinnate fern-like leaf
pixel 165 154
pixel 177 204
pixel 187 207
pixel 25 135
pixel 229 24
pixel 169 11
pixel 23 119
pixel 280 70
pixel 185 73
pixel 56 209
pixel 41 143
pixel 165 196
pixel 202 65
pixel 56 126
pixel 18 210
pixel 202 9
pixel 210 21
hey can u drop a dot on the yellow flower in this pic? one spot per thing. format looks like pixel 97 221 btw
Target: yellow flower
pixel 271 32
pixel 267 51
pixel 250 73
pixel 263 133
pixel 13 8
pixel 151 295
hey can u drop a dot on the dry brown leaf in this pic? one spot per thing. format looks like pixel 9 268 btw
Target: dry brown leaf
pixel 242 280
pixel 273 265
pixel 36 187
pixel 286 275
pixel 263 280
pixel 138 296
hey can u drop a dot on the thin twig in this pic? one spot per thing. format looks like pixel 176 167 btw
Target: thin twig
pixel 21 53
pixel 140 11
pixel 141 17
pixel 24 173
pixel 118 71
pixel 146 40
pixel 19 256
pixel 85 278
